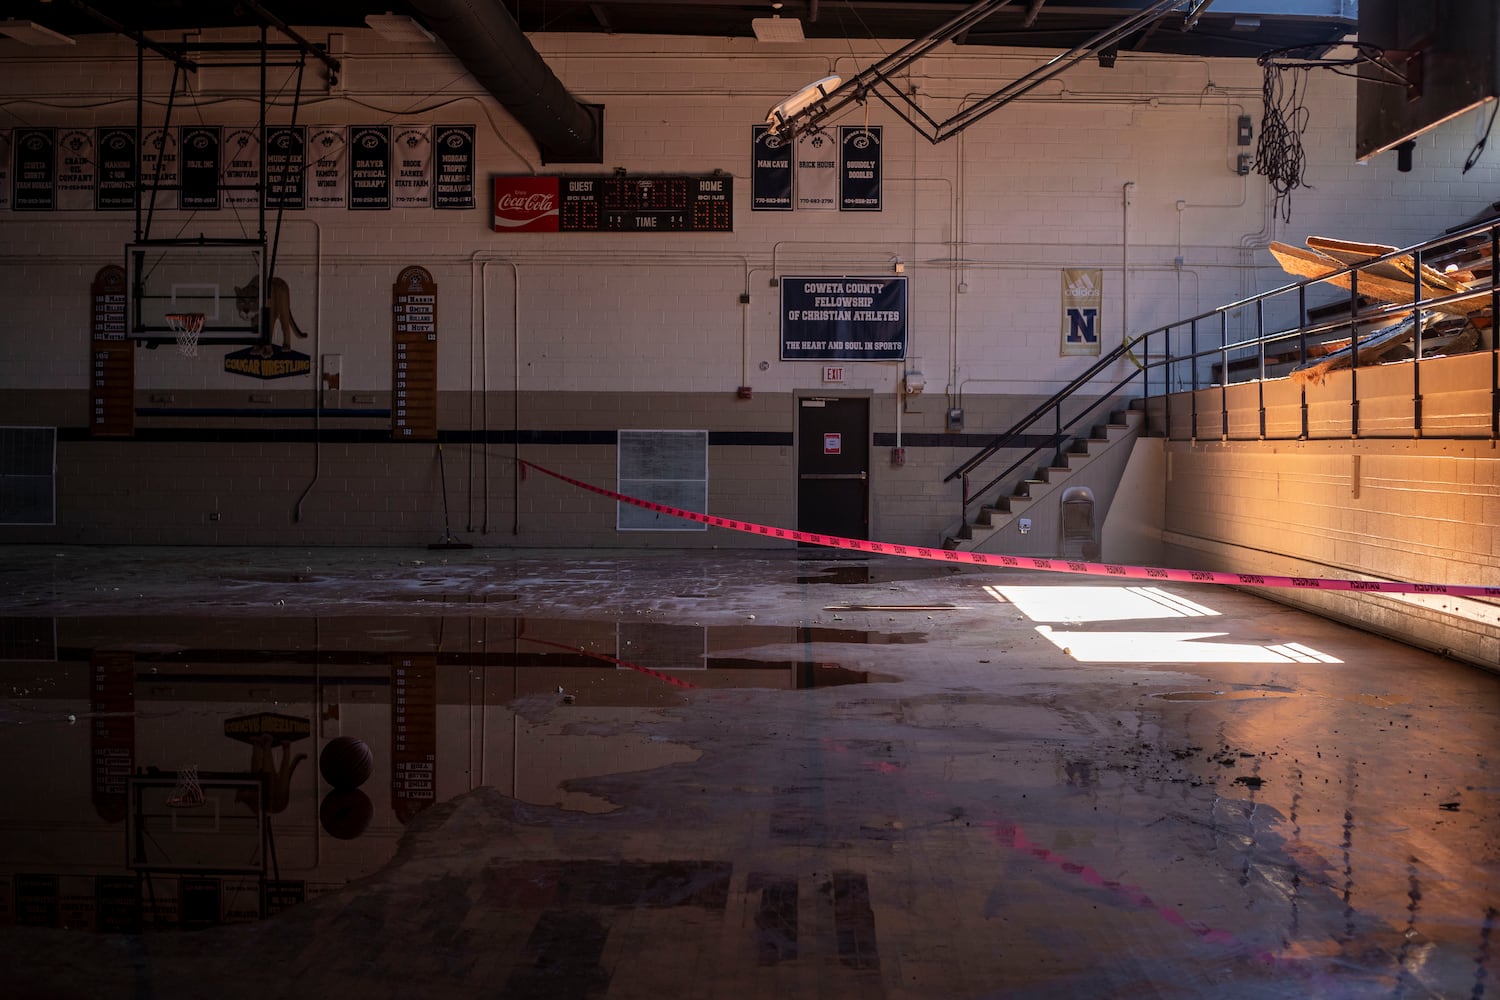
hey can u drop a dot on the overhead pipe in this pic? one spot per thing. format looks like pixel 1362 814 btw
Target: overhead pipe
pixel 490 44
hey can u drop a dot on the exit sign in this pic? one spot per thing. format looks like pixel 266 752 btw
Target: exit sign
pixel 833 373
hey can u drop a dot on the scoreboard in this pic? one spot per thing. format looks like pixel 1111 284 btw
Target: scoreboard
pixel 615 204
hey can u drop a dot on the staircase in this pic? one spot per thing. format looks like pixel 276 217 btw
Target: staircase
pixel 1047 482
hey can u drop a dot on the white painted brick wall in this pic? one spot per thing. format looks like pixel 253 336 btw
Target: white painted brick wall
pixel 1034 187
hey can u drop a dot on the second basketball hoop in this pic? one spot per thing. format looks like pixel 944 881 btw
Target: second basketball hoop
pixel 187 326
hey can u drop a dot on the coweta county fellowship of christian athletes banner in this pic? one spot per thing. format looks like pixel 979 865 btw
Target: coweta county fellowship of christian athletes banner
pixel 843 319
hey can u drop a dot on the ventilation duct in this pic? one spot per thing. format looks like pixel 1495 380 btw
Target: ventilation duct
pixel 491 45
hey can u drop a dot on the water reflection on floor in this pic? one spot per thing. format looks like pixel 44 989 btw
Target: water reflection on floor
pixel 592 774
pixel 442 705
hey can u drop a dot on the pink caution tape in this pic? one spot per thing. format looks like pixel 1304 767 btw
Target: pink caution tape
pixel 1116 570
pixel 657 674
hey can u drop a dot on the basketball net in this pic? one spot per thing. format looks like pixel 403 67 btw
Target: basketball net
pixel 188 792
pixel 187 326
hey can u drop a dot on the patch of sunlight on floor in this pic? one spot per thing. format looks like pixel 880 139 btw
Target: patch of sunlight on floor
pixel 1176 647
pixel 1097 604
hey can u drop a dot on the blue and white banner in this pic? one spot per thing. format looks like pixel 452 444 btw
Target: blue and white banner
pixel 859 168
pixel 286 166
pixel 77 166
pixel 453 170
pixel 5 135
pixel 201 146
pixel 119 167
pixel 369 167
pixel 35 183
pixel 240 179
pixel 411 167
pixel 843 319
pixel 159 168
pixel 328 159
pixel 770 171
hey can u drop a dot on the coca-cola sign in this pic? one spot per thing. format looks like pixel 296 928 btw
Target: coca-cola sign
pixel 526 204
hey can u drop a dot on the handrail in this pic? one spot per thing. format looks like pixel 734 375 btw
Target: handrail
pixel 1053 406
pixel 999 441
pixel 1426 301
pixel 1366 318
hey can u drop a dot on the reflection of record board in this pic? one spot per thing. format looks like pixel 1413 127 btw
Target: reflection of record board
pixel 413 734
pixel 112 733
pixel 280 728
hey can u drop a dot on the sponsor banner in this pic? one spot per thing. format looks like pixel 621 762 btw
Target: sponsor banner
pixel 453 170
pixel 159 169
pixel 770 171
pixel 119 166
pixel 843 319
pixel 369 167
pixel 76 169
pixel 817 170
pixel 526 205
pixel 240 181
pixel 1082 296
pixel 34 188
pixel 286 166
pixel 328 153
pixel 200 146
pixel 5 151
pixel 1117 570
pixel 411 156
pixel 859 168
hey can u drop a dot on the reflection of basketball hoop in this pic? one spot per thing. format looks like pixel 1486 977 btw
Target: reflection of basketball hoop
pixel 188 792
pixel 187 326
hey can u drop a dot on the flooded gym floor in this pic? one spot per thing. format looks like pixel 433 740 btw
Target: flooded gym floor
pixel 393 773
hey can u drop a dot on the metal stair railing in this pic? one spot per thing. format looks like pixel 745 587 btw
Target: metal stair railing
pixel 1061 431
pixel 1201 364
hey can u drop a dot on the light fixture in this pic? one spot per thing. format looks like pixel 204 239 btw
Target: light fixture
pixel 31 33
pixel 397 28
pixel 1107 57
pixel 809 95
pixel 777 28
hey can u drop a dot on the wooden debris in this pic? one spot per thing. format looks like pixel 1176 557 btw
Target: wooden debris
pixel 1379 345
pixel 1375 283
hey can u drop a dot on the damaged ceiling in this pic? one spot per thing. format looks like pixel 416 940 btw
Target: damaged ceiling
pixel 490 37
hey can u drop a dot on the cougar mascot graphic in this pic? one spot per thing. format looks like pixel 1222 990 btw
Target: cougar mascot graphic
pixel 276 775
pixel 278 312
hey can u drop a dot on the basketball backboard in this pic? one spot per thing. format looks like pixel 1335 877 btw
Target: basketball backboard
pixel 1447 55
pixel 224 282
pixel 223 833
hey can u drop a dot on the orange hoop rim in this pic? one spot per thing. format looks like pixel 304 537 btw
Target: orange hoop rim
pixel 185 321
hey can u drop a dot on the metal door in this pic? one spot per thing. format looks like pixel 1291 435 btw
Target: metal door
pixel 833 466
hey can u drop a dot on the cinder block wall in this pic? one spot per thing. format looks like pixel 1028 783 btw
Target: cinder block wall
pixel 560 341
pixel 1405 510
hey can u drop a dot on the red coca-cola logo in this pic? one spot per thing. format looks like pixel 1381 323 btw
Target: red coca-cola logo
pixel 530 204
pixel 526 204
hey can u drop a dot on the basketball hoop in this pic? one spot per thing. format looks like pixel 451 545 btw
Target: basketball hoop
pixel 187 326
pixel 189 792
